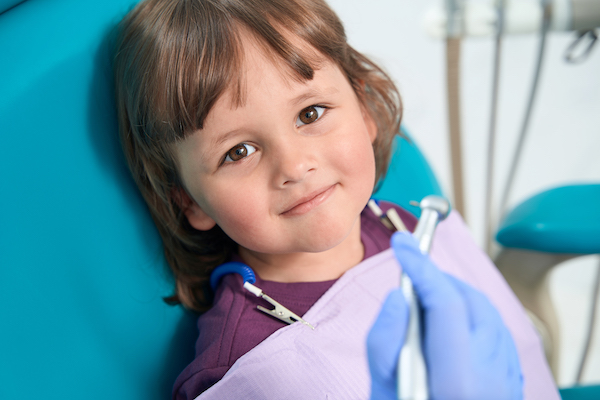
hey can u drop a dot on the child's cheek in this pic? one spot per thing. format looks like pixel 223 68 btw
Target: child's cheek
pixel 356 157
pixel 239 216
pixel 247 220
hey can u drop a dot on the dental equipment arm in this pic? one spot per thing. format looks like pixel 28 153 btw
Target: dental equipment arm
pixel 476 18
pixel 469 352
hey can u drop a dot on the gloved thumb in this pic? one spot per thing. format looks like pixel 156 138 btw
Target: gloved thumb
pixel 431 285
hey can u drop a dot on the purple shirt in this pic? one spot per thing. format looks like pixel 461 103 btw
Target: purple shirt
pixel 233 326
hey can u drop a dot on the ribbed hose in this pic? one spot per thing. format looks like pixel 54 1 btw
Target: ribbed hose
pixel 489 184
pixel 453 100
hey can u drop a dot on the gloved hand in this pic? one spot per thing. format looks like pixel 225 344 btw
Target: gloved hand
pixel 468 350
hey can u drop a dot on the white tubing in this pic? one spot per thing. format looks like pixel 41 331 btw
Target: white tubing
pixel 252 289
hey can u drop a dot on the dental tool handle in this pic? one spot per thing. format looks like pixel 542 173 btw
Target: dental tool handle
pixel 426 228
pixel 412 369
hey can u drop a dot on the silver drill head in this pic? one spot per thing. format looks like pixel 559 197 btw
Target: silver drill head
pixel 433 210
pixel 436 203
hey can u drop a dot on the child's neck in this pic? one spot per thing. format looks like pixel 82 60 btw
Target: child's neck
pixel 308 267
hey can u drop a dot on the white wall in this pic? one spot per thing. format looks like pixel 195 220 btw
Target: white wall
pixel 564 135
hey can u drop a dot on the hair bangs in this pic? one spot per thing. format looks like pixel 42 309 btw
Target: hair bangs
pixel 197 67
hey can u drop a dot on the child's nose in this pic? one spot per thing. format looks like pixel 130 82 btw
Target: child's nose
pixel 295 161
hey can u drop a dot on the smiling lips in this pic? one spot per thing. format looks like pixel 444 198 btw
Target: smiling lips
pixel 307 203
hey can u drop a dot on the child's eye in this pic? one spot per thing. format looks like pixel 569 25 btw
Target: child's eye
pixel 309 115
pixel 239 151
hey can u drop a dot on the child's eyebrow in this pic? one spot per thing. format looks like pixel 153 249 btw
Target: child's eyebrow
pixel 222 138
pixel 312 93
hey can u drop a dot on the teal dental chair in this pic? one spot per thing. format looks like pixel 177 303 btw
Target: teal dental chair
pixel 541 232
pixel 82 275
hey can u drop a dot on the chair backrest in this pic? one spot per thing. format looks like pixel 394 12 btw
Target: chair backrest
pixel 409 177
pixel 6 5
pixel 82 273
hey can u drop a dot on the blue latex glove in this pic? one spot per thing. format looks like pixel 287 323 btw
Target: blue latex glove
pixel 469 351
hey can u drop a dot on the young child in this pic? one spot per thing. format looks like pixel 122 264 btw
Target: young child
pixel 256 133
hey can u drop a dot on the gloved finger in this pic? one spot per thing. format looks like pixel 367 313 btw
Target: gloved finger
pixel 492 343
pixel 500 368
pixel 482 313
pixel 513 362
pixel 486 324
pixel 384 342
pixel 515 372
pixel 434 290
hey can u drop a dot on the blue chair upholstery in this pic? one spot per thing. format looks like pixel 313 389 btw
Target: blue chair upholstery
pixel 82 274
pixel 590 392
pixel 565 219
pixel 6 5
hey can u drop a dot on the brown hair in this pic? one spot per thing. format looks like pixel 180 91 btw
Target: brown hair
pixel 173 60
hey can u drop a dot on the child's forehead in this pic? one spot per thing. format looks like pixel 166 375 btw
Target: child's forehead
pixel 255 53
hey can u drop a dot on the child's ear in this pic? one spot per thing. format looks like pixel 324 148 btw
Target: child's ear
pixel 197 218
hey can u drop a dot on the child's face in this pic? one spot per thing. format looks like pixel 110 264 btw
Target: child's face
pixel 289 170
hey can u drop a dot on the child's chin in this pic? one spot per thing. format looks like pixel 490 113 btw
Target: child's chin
pixel 327 240
pixel 312 244
pixel 309 238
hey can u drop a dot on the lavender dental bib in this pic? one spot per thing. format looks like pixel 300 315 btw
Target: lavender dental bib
pixel 331 362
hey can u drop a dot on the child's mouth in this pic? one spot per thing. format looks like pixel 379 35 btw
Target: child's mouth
pixel 309 202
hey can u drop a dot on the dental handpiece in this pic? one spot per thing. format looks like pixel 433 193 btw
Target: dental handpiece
pixel 412 370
